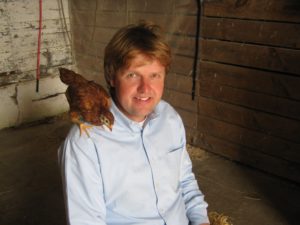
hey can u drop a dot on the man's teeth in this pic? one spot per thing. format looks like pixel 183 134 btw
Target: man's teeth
pixel 143 99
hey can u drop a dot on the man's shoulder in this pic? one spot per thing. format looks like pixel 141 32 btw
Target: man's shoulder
pixel 79 137
pixel 164 106
pixel 169 119
pixel 165 109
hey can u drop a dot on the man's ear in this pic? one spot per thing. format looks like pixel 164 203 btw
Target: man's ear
pixel 112 82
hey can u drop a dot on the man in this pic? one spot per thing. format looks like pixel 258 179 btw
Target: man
pixel 140 173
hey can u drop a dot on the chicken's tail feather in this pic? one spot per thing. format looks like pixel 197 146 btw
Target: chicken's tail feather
pixel 69 77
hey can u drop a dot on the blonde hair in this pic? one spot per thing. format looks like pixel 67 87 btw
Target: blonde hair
pixel 130 41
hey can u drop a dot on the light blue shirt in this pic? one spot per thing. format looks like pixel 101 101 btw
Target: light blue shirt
pixel 134 175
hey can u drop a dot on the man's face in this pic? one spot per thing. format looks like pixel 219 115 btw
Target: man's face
pixel 139 87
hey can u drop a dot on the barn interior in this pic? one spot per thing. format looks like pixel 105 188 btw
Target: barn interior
pixel 234 80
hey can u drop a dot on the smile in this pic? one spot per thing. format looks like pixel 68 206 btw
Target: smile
pixel 142 98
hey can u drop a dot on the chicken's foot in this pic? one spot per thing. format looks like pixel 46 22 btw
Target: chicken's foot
pixel 82 126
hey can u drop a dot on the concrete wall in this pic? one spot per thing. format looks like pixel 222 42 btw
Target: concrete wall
pixel 20 103
pixel 18 59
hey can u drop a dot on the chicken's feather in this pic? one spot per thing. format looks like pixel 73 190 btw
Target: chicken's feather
pixel 88 100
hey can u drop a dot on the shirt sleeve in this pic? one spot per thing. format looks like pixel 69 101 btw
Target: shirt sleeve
pixel 196 206
pixel 82 182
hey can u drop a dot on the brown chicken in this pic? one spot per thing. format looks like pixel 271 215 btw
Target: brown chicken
pixel 89 102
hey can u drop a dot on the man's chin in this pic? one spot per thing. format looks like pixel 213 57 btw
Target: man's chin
pixel 141 114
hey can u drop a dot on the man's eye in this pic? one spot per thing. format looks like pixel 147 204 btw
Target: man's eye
pixel 131 75
pixel 155 75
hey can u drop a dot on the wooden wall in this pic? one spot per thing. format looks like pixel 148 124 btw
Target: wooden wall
pixel 247 103
pixel 95 21
pixel 249 95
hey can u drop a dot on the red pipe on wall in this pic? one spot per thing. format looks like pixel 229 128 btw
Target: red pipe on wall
pixel 39 47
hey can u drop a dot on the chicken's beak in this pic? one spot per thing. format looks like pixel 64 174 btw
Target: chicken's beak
pixel 110 127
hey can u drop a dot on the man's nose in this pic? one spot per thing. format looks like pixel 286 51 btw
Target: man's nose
pixel 144 85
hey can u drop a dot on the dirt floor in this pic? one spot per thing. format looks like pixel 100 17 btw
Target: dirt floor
pixel 31 194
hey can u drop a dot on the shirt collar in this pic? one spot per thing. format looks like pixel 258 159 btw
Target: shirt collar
pixel 128 123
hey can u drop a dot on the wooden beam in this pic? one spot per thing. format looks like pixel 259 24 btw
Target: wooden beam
pixel 251 100
pixel 273 165
pixel 276 126
pixel 254 56
pixel 255 140
pixel 275 10
pixel 250 31
pixel 271 83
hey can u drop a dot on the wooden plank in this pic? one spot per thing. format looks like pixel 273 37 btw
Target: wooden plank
pixel 180 100
pixel 255 56
pixel 49 58
pixel 189 119
pixel 182 45
pixel 182 24
pixel 179 83
pixel 163 20
pixel 6 64
pixel 249 157
pixel 88 62
pixel 27 10
pixel 159 7
pixel 102 34
pixel 104 19
pixel 275 10
pixel 249 31
pixel 265 123
pixel 83 5
pixel 19 46
pixel 90 74
pixel 190 135
pixel 48 26
pixel 260 142
pixel 182 65
pixel 276 84
pixel 252 100
pixel 26 40
pixel 83 18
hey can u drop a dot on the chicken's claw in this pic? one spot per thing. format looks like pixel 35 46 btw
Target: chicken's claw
pixel 83 128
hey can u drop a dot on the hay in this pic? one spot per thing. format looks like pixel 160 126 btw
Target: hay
pixel 218 219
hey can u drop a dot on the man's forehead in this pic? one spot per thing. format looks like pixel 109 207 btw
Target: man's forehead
pixel 142 60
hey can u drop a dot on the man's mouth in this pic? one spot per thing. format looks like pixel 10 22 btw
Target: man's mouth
pixel 142 98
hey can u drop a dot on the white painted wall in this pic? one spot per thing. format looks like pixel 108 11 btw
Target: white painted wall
pixel 18 56
pixel 20 103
